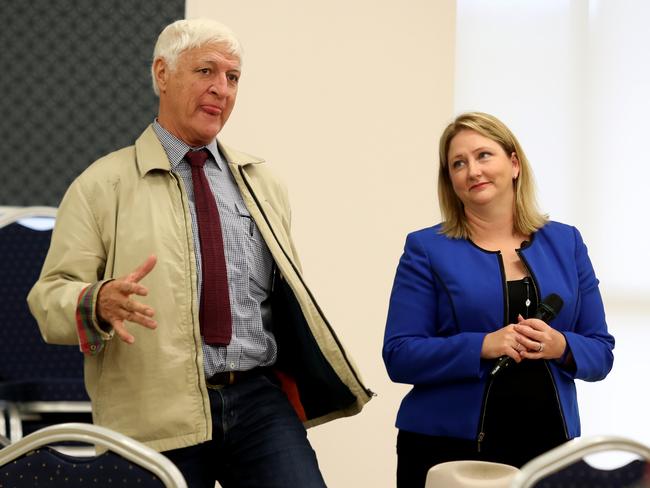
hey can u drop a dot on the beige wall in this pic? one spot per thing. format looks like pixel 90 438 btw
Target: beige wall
pixel 347 99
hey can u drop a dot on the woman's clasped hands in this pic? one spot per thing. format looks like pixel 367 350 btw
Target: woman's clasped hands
pixel 528 339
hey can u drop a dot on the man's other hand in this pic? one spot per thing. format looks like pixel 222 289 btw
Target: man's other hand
pixel 115 306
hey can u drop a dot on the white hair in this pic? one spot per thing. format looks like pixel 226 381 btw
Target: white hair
pixel 185 34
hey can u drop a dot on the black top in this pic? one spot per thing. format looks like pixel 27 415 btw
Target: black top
pixel 522 411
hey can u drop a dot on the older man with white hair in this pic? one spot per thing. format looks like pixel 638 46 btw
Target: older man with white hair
pixel 181 247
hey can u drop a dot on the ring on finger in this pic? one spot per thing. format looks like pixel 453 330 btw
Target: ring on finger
pixel 541 347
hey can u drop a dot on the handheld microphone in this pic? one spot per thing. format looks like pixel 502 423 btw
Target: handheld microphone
pixel 546 311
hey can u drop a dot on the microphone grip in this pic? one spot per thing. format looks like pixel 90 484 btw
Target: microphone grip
pixel 546 311
pixel 502 363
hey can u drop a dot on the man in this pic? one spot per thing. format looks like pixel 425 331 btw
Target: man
pixel 181 247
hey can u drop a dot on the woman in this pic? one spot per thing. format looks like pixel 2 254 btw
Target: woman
pixel 466 293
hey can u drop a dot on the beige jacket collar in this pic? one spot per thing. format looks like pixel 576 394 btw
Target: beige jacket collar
pixel 150 154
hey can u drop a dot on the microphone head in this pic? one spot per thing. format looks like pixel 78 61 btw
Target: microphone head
pixel 551 306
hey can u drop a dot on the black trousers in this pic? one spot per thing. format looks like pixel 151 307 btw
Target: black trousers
pixel 417 453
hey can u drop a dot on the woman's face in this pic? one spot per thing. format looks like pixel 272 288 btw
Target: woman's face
pixel 481 172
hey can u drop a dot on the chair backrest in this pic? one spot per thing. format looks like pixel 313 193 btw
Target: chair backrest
pixel 31 462
pixel 470 474
pixel 24 240
pixel 565 465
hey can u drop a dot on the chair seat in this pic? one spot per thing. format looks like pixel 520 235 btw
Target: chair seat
pixel 470 474
pixel 634 474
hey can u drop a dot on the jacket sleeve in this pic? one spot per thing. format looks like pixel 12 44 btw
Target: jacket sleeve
pixel 590 343
pixel 414 352
pixel 64 297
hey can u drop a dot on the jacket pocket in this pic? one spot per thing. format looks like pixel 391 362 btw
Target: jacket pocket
pixel 258 257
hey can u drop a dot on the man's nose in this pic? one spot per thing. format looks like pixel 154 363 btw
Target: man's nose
pixel 219 85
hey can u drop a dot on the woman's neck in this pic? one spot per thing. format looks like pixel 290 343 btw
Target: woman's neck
pixel 493 227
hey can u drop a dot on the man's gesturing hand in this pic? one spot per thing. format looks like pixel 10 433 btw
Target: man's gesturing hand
pixel 114 304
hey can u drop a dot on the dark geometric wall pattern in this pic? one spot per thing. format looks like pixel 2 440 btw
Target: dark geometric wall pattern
pixel 74 85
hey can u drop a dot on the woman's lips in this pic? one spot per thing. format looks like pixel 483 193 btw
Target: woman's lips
pixel 479 186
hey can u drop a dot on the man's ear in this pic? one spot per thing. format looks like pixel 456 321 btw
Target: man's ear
pixel 161 74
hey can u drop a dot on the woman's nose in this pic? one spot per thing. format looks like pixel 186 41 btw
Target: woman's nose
pixel 474 168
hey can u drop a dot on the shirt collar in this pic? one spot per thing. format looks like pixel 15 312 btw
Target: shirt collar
pixel 177 149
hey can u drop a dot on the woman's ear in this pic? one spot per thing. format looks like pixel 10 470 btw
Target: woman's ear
pixel 516 167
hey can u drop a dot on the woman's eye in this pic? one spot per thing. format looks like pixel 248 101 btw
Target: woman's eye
pixel 484 154
pixel 457 164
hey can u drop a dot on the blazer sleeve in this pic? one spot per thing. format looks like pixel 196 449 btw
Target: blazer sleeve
pixel 590 343
pixel 414 352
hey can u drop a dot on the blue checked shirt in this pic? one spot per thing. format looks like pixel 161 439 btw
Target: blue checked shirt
pixel 248 261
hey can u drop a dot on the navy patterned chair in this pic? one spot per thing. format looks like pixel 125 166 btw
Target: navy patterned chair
pixel 564 466
pixel 40 384
pixel 33 462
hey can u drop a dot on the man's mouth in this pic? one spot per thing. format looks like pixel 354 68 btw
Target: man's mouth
pixel 212 109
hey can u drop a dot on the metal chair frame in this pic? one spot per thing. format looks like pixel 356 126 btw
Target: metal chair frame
pixel 570 452
pixel 103 438
pixel 9 215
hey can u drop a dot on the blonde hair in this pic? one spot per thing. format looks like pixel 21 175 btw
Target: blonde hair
pixel 527 217
pixel 191 33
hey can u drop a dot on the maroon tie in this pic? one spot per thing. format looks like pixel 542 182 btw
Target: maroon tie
pixel 214 311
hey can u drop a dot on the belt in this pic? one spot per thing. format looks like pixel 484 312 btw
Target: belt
pixel 226 378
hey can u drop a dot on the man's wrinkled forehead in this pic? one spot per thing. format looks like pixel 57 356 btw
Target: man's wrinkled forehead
pixel 212 52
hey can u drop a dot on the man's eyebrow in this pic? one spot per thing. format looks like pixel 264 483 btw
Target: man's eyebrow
pixel 212 61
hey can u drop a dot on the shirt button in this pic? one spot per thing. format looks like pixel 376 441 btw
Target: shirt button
pixel 232 365
pixel 93 347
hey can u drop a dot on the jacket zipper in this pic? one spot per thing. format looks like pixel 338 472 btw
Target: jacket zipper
pixel 299 275
pixel 506 301
pixel 548 369
pixel 197 347
pixel 557 399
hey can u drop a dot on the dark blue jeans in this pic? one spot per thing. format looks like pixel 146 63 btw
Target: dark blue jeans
pixel 257 441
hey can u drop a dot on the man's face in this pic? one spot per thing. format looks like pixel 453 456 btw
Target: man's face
pixel 197 96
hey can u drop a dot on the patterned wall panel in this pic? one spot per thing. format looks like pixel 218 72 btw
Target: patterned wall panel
pixel 74 85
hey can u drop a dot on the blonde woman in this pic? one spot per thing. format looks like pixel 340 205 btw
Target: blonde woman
pixel 466 293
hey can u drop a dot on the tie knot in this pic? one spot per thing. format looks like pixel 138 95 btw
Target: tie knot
pixel 197 158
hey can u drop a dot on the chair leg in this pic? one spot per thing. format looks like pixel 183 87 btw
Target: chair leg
pixel 3 422
pixel 15 423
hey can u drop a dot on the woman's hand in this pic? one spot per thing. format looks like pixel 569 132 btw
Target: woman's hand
pixel 503 342
pixel 539 340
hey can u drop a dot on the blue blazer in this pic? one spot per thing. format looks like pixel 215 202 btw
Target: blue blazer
pixel 449 293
